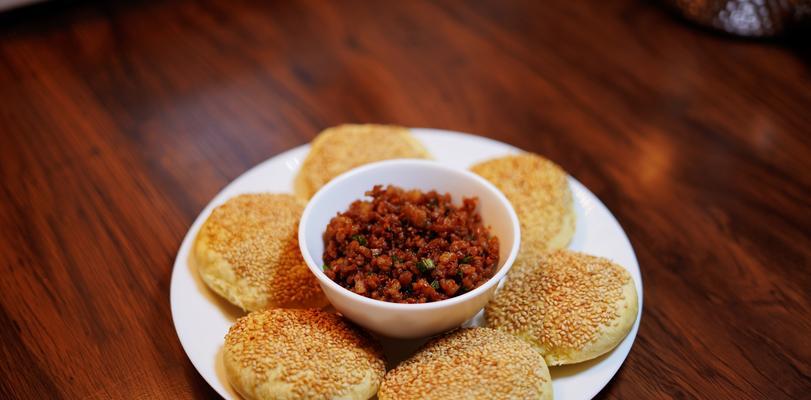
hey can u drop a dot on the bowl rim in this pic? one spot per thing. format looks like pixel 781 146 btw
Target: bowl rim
pixel 494 280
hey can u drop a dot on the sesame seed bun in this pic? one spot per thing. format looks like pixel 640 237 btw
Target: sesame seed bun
pixel 247 252
pixel 570 306
pixel 301 354
pixel 341 148
pixel 474 363
pixel 539 192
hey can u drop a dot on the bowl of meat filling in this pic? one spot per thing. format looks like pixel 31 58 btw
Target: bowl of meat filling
pixel 409 248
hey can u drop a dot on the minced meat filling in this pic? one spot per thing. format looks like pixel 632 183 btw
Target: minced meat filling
pixel 406 246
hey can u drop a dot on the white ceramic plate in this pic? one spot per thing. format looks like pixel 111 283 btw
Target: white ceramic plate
pixel 202 318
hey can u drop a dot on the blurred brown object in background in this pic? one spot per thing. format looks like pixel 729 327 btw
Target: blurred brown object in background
pixel 746 17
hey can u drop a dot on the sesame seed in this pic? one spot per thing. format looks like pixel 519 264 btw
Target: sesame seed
pixel 469 363
pixel 538 190
pixel 257 235
pixel 312 353
pixel 341 148
pixel 561 302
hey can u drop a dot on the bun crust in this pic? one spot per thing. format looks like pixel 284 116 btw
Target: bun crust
pixel 247 252
pixel 473 363
pixel 301 354
pixel 341 148
pixel 570 306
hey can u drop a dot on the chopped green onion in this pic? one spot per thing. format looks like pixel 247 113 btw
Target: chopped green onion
pixel 425 264
pixel 360 239
pixel 466 260
pixel 326 267
pixel 435 284
pixel 396 259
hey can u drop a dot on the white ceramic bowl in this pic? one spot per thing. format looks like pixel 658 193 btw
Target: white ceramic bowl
pixel 408 320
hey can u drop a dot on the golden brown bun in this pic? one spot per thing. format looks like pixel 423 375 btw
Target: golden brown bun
pixel 341 148
pixel 474 363
pixel 539 192
pixel 247 251
pixel 570 306
pixel 301 354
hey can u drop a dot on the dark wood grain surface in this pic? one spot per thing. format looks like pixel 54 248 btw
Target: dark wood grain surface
pixel 119 122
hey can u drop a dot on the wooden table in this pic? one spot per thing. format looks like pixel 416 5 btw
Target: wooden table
pixel 118 123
